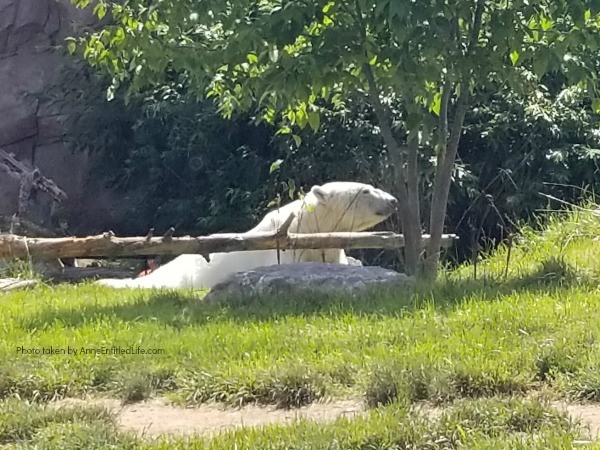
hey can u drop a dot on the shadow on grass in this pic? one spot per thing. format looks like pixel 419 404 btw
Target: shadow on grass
pixel 181 309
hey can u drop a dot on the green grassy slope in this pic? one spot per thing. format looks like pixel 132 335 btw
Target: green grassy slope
pixel 513 331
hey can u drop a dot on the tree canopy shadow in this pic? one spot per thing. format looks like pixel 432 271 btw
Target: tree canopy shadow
pixel 186 308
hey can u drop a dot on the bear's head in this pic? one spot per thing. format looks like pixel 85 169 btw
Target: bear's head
pixel 354 206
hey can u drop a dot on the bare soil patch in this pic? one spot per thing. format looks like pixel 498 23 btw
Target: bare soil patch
pixel 587 413
pixel 157 417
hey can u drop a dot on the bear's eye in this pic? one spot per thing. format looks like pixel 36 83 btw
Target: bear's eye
pixel 365 192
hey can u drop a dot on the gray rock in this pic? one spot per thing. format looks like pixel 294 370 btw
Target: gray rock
pixel 18 123
pixel 30 118
pixel 322 278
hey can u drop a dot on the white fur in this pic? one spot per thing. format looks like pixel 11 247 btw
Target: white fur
pixel 336 206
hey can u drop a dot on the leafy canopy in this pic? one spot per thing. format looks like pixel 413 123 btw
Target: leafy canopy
pixel 289 58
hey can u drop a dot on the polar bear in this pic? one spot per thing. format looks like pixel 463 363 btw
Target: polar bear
pixel 336 206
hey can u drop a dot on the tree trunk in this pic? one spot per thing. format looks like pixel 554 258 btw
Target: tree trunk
pixel 407 191
pixel 443 174
pixel 441 189
pixel 412 228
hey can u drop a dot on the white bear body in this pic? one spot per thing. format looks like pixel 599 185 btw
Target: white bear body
pixel 336 206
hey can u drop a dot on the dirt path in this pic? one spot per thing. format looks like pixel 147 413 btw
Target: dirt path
pixel 157 417
pixel 588 414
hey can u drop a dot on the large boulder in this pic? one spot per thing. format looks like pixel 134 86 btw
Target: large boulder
pixel 287 279
pixel 33 63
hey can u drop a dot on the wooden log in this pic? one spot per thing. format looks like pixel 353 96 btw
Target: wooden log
pixel 108 245
pixel 12 246
pixel 9 284
pixel 75 274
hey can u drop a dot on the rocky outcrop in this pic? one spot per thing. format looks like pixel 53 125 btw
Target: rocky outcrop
pixel 30 122
pixel 312 278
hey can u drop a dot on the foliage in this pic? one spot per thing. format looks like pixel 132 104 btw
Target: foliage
pixel 288 56
pixel 177 162
pixel 518 153
pixel 174 159
pixel 182 165
pixel 290 61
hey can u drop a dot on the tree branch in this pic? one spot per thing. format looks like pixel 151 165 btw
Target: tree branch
pixel 443 119
pixel 443 128
pixel 383 119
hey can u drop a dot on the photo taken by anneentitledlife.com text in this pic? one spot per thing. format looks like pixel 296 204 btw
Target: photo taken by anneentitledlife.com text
pixel 94 351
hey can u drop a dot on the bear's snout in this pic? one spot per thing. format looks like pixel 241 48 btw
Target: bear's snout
pixel 391 206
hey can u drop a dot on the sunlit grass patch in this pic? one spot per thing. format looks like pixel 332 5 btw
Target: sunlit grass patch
pixel 504 334
pixel 24 425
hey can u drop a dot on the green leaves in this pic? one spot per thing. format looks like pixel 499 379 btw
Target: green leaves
pixel 541 62
pixel 287 61
pixel 437 103
pixel 275 165
pixel 314 120
pixel 514 57
pixel 100 10
pixel 546 23
pixel 301 117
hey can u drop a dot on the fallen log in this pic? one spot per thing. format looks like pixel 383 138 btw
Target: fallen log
pixel 108 245
pixel 10 284
pixel 75 274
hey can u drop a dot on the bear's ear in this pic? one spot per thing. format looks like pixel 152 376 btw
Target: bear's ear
pixel 319 192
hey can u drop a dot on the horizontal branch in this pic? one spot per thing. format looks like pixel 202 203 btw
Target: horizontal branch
pixel 108 245
pixel 12 246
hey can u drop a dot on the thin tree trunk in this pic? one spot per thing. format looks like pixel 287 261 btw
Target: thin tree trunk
pixel 409 214
pixel 446 157
pixel 441 189
pixel 412 234
pixel 408 217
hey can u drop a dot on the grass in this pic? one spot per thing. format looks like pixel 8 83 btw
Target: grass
pixel 461 342
pixel 473 424
pixel 490 423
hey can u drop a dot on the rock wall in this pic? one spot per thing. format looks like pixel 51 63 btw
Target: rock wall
pixel 30 125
